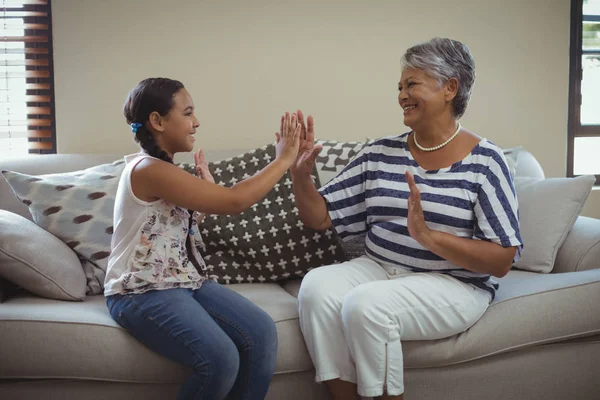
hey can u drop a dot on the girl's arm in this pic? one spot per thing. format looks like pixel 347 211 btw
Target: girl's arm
pixel 157 179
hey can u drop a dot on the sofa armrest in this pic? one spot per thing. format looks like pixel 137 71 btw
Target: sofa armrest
pixel 581 249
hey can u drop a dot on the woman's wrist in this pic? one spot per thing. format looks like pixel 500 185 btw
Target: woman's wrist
pixel 300 176
pixel 429 239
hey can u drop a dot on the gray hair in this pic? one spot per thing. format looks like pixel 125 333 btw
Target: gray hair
pixel 444 59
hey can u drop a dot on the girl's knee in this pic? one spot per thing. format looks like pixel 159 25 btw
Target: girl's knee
pixel 263 338
pixel 219 365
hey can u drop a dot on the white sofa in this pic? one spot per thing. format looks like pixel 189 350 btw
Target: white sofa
pixel 540 338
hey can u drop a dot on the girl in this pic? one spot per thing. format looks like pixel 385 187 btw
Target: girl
pixel 156 286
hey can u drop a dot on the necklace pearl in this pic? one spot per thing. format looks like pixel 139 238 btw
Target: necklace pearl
pixel 439 146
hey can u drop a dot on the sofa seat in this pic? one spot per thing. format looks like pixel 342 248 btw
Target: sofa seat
pixel 523 315
pixel 46 339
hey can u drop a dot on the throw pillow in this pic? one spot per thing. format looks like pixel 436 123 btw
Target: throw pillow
pixel 77 207
pixel 331 161
pixel 267 242
pixel 334 156
pixel 548 209
pixel 38 261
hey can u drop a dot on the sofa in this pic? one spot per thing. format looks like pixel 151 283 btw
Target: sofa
pixel 539 339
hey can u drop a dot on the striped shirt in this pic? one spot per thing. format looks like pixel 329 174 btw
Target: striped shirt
pixel 473 198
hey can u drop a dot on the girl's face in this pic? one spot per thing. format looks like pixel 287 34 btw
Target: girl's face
pixel 177 128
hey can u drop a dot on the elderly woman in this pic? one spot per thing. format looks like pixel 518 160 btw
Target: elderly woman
pixel 438 211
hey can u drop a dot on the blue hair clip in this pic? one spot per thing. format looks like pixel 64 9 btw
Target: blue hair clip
pixel 135 126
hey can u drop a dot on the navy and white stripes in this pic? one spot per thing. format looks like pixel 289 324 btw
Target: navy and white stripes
pixel 474 198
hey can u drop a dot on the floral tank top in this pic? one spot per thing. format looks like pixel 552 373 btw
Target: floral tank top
pixel 148 250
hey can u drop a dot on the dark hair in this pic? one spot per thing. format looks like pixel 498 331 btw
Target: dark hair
pixel 155 94
pixel 150 95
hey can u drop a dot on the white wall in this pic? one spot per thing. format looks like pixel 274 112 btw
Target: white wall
pixel 247 62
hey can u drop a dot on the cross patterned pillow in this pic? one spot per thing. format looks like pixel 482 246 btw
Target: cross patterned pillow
pixel 267 242
pixel 77 207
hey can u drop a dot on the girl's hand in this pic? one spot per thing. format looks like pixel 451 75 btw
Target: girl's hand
pixel 202 167
pixel 203 173
pixel 288 139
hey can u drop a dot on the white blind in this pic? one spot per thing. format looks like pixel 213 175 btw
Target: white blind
pixel 26 93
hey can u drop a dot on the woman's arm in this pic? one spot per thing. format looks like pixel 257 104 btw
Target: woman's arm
pixel 475 255
pixel 310 203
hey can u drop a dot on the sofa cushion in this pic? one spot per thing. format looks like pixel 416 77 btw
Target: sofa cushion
pixel 37 261
pixel 268 241
pixel 334 156
pixel 548 208
pixel 77 207
pixel 7 288
pixel 525 313
pixel 81 340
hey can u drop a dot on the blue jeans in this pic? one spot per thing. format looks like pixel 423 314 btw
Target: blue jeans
pixel 229 343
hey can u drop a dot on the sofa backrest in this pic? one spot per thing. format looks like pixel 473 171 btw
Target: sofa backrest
pixel 59 163
pixel 522 163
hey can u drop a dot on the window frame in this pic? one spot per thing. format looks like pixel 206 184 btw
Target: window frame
pixel 576 53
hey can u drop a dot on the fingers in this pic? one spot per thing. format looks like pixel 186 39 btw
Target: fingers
pixel 196 159
pixel 301 120
pixel 290 124
pixel 315 152
pixel 278 136
pixel 282 122
pixel 293 124
pixel 310 132
pixel 411 182
pixel 415 193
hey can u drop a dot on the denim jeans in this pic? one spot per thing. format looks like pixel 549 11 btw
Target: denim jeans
pixel 228 342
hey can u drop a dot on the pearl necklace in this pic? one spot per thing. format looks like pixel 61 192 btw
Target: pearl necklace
pixel 439 146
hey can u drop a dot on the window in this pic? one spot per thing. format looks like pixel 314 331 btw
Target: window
pixel 27 123
pixel 584 90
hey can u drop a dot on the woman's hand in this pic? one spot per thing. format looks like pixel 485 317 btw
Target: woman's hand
pixel 288 137
pixel 202 167
pixel 308 152
pixel 417 227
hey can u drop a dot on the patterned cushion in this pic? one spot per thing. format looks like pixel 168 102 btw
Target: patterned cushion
pixel 77 207
pixel 268 241
pixel 334 156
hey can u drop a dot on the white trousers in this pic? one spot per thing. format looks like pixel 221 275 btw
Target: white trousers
pixel 354 315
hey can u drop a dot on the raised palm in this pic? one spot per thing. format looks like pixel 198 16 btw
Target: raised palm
pixel 307 152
